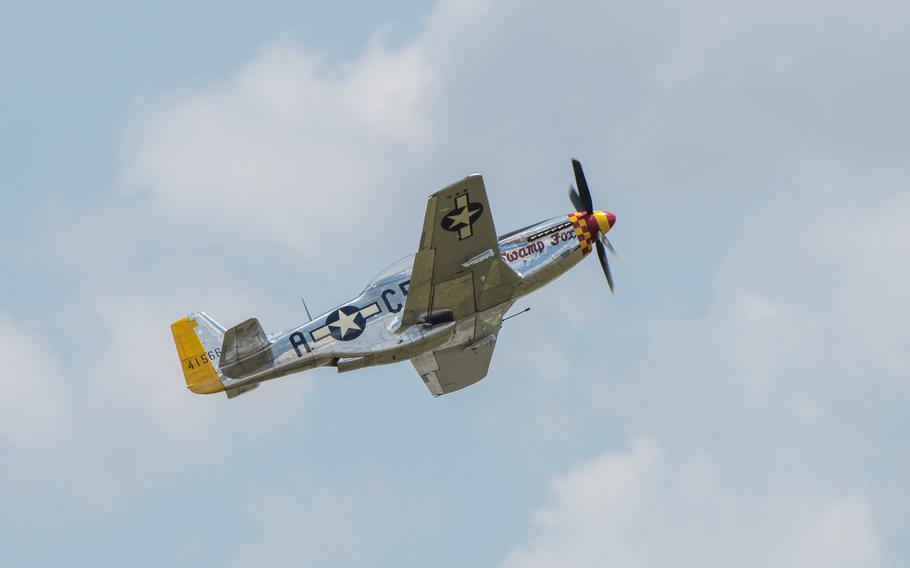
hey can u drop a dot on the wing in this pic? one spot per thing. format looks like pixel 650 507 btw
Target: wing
pixel 447 370
pixel 457 265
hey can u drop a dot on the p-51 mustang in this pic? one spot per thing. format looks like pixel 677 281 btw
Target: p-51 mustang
pixel 441 308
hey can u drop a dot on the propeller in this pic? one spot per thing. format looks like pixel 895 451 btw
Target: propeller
pixel 598 221
pixel 576 199
pixel 582 183
pixel 604 263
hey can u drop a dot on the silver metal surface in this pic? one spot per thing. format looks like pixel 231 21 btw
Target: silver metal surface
pixel 370 329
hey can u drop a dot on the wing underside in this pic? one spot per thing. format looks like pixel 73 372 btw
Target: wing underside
pixel 458 267
pixel 448 370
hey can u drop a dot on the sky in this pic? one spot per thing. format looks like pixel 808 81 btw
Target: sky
pixel 741 399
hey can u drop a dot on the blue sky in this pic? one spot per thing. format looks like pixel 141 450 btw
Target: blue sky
pixel 740 400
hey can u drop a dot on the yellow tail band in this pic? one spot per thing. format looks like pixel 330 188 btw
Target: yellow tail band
pixel 198 367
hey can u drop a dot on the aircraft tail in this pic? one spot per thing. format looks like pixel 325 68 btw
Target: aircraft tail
pixel 198 339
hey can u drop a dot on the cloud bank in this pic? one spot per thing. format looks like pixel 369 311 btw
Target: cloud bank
pixel 755 355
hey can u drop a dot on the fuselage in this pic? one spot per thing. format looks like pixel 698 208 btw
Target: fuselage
pixel 366 330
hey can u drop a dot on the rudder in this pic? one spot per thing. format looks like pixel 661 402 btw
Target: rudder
pixel 198 340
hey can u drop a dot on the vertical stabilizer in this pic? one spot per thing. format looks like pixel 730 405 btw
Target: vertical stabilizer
pixel 198 339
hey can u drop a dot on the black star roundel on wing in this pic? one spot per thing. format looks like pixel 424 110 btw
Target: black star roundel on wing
pixel 346 323
pixel 462 218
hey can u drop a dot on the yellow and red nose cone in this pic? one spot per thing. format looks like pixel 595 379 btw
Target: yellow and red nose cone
pixel 605 220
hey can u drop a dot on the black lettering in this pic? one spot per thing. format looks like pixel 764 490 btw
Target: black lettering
pixel 385 298
pixel 404 287
pixel 297 340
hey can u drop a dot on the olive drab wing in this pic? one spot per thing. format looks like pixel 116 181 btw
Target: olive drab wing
pixel 458 265
pixel 459 270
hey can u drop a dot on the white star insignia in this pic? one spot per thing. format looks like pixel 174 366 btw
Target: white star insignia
pixel 462 218
pixel 346 323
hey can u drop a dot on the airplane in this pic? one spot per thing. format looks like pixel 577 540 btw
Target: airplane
pixel 441 308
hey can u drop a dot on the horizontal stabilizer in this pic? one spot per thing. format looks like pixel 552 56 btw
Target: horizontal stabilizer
pixel 242 341
pixel 237 391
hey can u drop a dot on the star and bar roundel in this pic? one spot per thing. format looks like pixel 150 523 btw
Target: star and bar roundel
pixel 345 323
pixel 461 219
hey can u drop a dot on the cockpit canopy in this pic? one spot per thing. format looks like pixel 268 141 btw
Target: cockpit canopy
pixel 391 272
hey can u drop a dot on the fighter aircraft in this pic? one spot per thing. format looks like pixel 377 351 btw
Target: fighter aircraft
pixel 441 308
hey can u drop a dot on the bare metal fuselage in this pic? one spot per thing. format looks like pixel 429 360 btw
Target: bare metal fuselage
pixel 366 331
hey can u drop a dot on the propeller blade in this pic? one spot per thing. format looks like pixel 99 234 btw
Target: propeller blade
pixel 602 255
pixel 575 199
pixel 582 184
pixel 609 246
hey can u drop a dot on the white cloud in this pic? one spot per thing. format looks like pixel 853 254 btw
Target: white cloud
pixel 34 415
pixel 293 150
pixel 329 525
pixel 809 305
pixel 106 411
pixel 156 425
pixel 290 533
pixel 758 461
pixel 643 507
pixel 287 151
pixel 819 280
pixel 317 156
